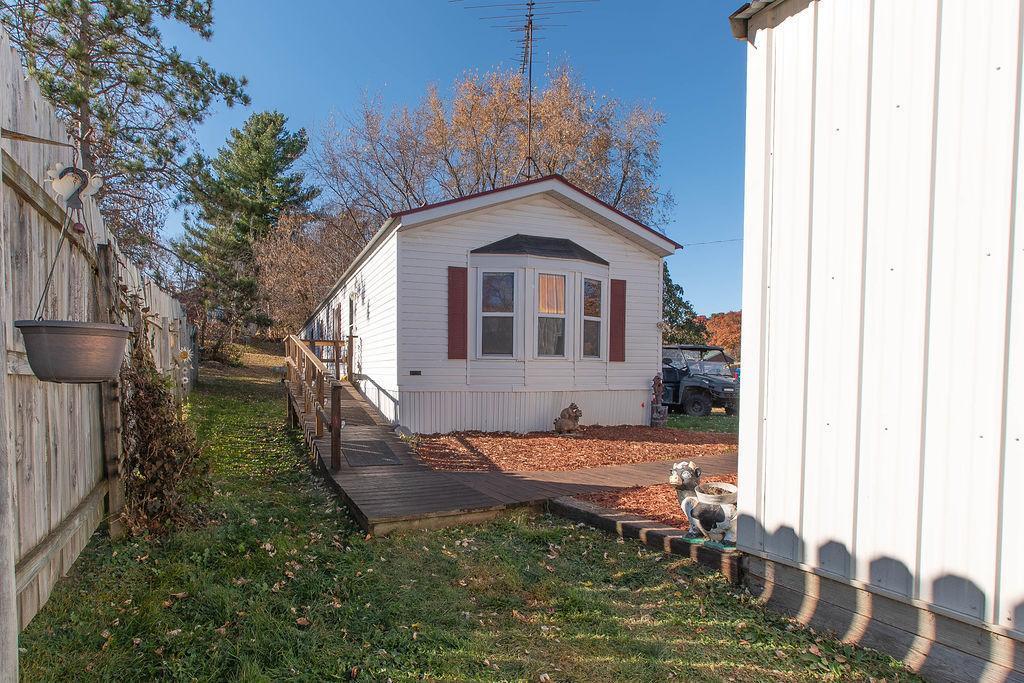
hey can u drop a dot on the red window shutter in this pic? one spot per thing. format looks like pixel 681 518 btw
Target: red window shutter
pixel 457 313
pixel 617 322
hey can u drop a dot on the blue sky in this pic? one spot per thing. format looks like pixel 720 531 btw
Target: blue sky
pixel 309 58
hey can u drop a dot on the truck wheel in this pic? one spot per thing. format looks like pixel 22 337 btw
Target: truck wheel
pixel 697 405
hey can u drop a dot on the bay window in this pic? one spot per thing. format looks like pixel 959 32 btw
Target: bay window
pixel 550 315
pixel 591 318
pixel 497 314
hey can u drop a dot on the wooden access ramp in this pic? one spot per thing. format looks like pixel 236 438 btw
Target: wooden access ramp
pixel 387 488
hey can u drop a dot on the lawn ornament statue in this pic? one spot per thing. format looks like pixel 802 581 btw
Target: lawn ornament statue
pixel 569 419
pixel 659 412
pixel 710 508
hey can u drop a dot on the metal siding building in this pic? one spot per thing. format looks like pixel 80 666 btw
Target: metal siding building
pixel 883 413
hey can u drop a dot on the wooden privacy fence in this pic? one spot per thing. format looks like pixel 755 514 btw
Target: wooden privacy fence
pixel 307 376
pixel 59 443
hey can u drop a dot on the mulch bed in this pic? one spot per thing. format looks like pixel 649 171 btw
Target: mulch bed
pixel 591 446
pixel 658 503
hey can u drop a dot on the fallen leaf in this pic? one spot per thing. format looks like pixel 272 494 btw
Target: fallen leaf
pixel 303 621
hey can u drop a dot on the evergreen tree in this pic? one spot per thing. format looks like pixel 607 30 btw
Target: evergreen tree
pixel 239 196
pixel 130 101
pixel 682 324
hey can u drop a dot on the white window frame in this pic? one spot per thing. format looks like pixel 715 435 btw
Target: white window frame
pixel 602 341
pixel 567 297
pixel 481 314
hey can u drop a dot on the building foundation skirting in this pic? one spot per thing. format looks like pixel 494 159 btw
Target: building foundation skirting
pixel 443 411
pixel 939 647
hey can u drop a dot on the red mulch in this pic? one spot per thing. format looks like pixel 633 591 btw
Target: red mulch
pixel 591 446
pixel 658 503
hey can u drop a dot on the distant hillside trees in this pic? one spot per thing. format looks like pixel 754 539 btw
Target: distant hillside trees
pixel 131 102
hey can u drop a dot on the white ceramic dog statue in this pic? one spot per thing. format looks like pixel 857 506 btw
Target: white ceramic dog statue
pixel 711 515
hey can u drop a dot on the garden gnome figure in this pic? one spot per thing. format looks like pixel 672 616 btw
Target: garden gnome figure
pixel 710 509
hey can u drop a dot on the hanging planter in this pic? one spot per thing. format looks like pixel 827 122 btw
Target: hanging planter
pixel 69 350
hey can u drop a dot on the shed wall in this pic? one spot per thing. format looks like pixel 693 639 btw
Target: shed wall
pixel 882 418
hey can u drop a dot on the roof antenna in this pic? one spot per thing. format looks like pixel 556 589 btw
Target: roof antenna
pixel 526 64
pixel 527 26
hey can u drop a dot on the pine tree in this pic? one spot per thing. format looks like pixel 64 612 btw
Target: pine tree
pixel 239 196
pixel 130 101
pixel 682 324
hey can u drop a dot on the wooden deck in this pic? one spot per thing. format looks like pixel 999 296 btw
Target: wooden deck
pixel 388 488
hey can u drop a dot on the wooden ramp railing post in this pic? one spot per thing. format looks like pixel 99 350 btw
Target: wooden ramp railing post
pixel 319 402
pixel 337 358
pixel 336 426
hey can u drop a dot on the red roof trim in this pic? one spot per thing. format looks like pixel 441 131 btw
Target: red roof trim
pixel 553 176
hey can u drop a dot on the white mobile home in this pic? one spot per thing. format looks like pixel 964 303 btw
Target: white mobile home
pixel 496 310
pixel 881 458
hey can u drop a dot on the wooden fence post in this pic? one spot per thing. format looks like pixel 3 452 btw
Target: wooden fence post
pixel 336 426
pixel 8 523
pixel 110 396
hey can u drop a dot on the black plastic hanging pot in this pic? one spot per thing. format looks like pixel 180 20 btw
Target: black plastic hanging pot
pixel 69 350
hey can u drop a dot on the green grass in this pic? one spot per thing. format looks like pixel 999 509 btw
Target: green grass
pixel 715 422
pixel 282 585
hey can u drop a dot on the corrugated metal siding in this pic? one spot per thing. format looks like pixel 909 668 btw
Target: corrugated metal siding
pixel 883 416
pixel 439 412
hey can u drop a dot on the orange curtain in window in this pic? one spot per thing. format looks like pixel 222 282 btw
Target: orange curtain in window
pixel 551 294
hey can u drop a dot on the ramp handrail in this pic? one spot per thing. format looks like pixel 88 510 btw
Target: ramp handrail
pixel 307 374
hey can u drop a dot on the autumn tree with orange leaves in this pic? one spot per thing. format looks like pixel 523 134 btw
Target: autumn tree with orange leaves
pixel 380 161
pixel 724 330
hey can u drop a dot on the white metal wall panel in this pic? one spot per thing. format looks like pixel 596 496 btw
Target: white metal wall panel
pixel 882 412
pixel 785 349
pixel 967 315
pixel 895 291
pixel 756 194
pixel 1009 600
pixel 834 298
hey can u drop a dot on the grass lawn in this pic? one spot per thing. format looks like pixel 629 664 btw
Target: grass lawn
pixel 280 584
pixel 715 422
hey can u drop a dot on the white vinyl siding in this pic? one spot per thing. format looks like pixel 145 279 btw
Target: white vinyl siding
pixel 371 290
pixel 425 252
pixel 883 320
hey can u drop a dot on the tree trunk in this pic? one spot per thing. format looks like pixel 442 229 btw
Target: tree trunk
pixel 84 109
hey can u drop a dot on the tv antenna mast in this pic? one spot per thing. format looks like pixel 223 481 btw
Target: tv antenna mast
pixel 531 16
